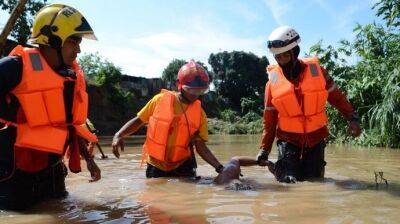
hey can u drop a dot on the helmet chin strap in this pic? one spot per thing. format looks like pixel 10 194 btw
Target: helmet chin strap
pixel 62 64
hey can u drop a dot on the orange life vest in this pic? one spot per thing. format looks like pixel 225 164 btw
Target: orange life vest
pixel 306 114
pixel 40 94
pixel 159 128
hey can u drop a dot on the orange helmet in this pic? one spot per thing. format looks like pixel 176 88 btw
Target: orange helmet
pixel 193 78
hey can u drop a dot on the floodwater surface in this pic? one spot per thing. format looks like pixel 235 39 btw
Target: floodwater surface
pixel 348 194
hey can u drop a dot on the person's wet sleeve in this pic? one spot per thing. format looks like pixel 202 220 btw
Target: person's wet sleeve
pixel 270 121
pixel 337 98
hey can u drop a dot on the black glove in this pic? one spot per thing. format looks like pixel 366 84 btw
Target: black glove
pixel 262 155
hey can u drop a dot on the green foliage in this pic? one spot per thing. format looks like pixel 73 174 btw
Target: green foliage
pixel 90 64
pixel 108 75
pixel 248 105
pixel 100 72
pixel 390 10
pixel 385 114
pixel 229 115
pixel 104 73
pixel 250 117
pixel 170 73
pixel 373 81
pixel 238 75
pixel 231 123
pixel 22 27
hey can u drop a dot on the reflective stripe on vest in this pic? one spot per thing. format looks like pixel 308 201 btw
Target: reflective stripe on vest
pixel 307 115
pixel 160 123
pixel 41 96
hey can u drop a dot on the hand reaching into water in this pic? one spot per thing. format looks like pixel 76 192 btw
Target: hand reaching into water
pixel 94 170
pixel 116 143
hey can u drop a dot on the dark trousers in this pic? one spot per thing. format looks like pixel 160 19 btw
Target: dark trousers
pixel 23 189
pixel 187 169
pixel 302 164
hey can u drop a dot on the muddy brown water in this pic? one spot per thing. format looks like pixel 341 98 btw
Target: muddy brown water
pixel 348 194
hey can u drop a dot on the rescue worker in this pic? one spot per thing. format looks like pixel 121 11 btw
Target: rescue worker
pixel 176 121
pixel 295 99
pixel 43 103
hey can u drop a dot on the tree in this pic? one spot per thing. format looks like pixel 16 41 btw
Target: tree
pixel 90 64
pixel 22 27
pixel 390 10
pixel 104 73
pixel 100 71
pixel 373 82
pixel 169 75
pixel 16 12
pixel 239 75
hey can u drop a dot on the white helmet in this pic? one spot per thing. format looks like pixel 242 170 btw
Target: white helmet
pixel 283 39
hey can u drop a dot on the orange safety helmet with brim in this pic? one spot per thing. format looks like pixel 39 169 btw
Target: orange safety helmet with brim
pixel 193 79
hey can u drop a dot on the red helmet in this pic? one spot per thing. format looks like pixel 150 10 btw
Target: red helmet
pixel 193 78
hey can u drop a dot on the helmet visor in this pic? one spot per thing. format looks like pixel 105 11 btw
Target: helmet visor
pixel 88 35
pixel 195 91
pixel 281 43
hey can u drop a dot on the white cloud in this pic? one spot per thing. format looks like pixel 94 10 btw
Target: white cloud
pixel 279 9
pixel 245 12
pixel 148 54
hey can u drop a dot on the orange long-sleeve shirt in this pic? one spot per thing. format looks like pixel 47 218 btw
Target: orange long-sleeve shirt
pixel 270 119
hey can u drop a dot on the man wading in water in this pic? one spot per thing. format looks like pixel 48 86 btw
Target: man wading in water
pixel 295 98
pixel 176 125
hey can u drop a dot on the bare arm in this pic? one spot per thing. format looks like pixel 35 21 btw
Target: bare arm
pixel 94 170
pixel 339 100
pixel 129 128
pixel 246 161
pixel 206 154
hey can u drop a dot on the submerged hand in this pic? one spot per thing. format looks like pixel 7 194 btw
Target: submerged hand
pixel 94 170
pixel 116 143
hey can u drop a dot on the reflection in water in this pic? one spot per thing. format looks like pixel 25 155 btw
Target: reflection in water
pixel 348 194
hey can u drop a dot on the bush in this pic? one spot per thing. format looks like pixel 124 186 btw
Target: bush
pixel 229 115
pixel 251 123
